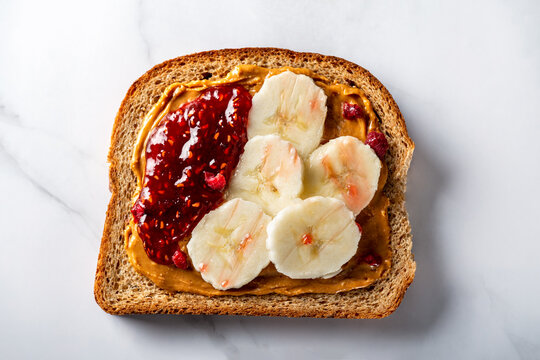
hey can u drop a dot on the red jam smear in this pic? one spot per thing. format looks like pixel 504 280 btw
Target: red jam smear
pixel 200 141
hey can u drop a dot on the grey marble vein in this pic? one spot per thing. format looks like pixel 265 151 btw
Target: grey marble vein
pixel 45 191
pixel 207 324
pixel 8 116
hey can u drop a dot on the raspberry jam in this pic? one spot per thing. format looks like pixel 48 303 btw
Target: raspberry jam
pixel 352 111
pixel 373 260
pixel 378 143
pixel 190 157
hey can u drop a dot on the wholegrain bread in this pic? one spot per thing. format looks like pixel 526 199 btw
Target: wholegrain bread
pixel 121 290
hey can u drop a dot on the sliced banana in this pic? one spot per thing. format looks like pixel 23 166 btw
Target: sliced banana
pixel 313 238
pixel 291 106
pixel 346 169
pixel 269 174
pixel 228 246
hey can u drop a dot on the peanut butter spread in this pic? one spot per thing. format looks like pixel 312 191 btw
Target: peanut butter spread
pixel 373 219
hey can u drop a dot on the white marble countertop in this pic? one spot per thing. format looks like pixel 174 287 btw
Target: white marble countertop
pixel 466 75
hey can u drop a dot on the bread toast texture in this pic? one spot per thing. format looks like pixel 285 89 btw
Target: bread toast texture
pixel 120 290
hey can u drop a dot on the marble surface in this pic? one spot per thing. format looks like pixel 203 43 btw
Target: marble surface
pixel 466 76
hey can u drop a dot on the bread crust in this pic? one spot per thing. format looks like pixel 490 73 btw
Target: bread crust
pixel 119 289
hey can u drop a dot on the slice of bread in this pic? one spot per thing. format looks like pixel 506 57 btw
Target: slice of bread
pixel 120 290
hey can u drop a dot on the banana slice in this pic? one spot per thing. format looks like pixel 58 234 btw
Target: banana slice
pixel 346 169
pixel 269 174
pixel 313 238
pixel 291 106
pixel 228 246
